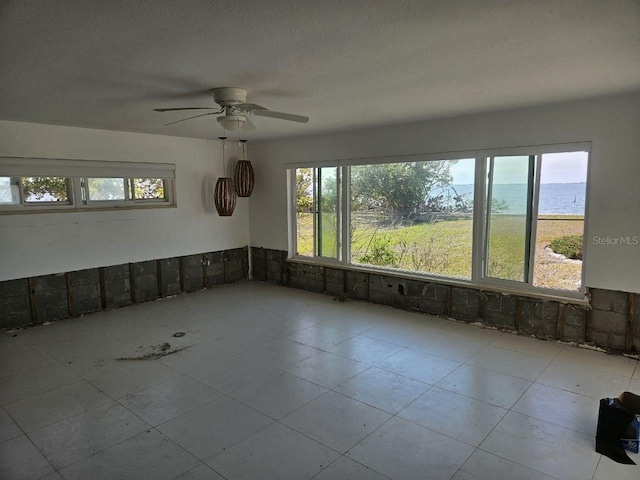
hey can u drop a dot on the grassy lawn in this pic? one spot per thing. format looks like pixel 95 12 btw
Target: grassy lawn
pixel 550 271
pixel 444 247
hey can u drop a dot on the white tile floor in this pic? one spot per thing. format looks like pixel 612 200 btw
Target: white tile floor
pixel 275 383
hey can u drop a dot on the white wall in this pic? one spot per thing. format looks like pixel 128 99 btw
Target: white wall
pixel 612 124
pixel 38 244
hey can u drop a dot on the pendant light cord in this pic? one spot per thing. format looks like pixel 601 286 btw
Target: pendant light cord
pixel 224 168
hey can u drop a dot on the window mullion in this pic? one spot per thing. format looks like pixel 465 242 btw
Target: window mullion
pixel 319 212
pixel 346 215
pixel 533 230
pixel 479 200
pixel 528 272
pixel 293 213
pixel 487 219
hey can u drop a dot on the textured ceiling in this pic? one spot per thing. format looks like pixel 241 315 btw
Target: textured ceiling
pixel 346 64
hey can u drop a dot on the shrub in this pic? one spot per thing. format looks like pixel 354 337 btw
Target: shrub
pixel 381 254
pixel 570 246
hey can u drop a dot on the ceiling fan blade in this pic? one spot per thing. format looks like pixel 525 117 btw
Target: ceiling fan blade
pixel 183 108
pixel 250 107
pixel 247 126
pixel 189 118
pixel 281 115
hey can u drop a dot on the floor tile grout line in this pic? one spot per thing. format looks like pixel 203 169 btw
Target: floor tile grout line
pixel 58 388
pixel 517 463
pixel 77 380
pixel 596 469
pixel 351 459
pixel 147 430
pixel 204 464
pixel 26 435
pixel 90 410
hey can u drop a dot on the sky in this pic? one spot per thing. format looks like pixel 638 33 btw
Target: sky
pixel 556 168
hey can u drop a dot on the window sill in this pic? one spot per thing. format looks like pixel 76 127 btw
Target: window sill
pixel 72 209
pixel 575 298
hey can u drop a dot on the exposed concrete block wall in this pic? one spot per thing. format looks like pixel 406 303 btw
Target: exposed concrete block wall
pixel 145 281
pixel 30 301
pixel 611 321
pixel 193 272
pixel 15 303
pixel 84 291
pixel 170 283
pixel 50 297
pixel 609 318
pixel 117 286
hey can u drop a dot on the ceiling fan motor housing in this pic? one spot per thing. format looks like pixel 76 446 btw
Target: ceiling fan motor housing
pixel 232 122
pixel 229 96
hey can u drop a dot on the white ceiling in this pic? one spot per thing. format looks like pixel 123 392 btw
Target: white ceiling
pixel 346 64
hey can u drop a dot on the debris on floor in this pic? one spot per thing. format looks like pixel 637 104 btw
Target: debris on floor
pixel 343 296
pixel 154 351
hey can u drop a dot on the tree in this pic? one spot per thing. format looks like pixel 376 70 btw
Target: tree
pixel 106 188
pixel 403 189
pixel 304 190
pixel 48 189
pixel 148 188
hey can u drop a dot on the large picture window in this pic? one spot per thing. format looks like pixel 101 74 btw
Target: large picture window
pixel 414 216
pixel 513 220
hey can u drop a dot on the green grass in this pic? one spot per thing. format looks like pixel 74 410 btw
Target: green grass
pixel 445 247
pixel 442 248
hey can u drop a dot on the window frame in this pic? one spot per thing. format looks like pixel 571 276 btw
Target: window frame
pixel 479 278
pixel 78 173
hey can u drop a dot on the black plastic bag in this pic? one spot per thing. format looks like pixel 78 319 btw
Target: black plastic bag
pixel 614 417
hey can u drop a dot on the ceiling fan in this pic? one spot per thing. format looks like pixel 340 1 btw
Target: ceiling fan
pixel 234 109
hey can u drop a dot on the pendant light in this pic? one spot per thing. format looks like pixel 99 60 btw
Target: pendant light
pixel 225 192
pixel 244 176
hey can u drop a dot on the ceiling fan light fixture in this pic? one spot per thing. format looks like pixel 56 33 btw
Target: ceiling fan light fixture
pixel 232 122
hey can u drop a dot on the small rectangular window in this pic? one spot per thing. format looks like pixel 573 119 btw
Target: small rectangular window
pixel 9 191
pixel 83 185
pixel 38 190
pixel 106 189
pixel 148 189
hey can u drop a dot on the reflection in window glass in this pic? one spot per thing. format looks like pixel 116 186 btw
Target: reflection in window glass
pixel 560 226
pixel 509 217
pixel 148 189
pixel 9 191
pixel 105 189
pixel 45 189
pixel 328 216
pixel 304 211
pixel 415 216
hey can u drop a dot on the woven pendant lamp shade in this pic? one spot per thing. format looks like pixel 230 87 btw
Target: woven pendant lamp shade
pixel 225 197
pixel 244 178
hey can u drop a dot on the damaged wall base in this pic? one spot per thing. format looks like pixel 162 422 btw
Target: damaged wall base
pixel 611 321
pixel 36 300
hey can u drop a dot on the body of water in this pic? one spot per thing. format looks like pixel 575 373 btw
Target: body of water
pixel 555 198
